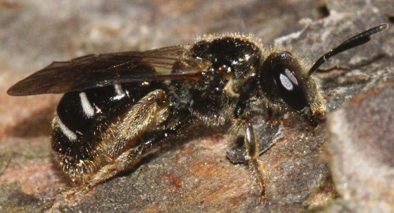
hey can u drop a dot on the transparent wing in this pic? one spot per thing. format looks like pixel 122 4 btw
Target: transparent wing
pixel 98 70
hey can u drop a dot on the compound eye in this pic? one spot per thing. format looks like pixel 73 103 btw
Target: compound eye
pixel 290 88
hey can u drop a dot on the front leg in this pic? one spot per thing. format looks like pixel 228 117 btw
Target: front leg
pixel 252 150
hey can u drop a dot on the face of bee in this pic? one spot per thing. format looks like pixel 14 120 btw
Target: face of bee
pixel 285 84
pixel 283 70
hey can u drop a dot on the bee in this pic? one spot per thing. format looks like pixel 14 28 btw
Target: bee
pixel 117 106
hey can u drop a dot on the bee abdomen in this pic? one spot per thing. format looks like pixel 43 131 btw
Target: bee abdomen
pixel 81 118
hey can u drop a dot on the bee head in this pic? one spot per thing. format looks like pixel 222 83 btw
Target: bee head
pixel 285 72
pixel 285 83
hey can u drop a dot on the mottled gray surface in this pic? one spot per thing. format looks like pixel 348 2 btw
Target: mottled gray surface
pixel 362 148
pixel 192 172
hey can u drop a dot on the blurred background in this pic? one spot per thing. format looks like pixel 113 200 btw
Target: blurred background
pixel 196 175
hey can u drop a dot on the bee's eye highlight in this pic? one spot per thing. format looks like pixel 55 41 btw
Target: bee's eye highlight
pixel 288 79
pixel 289 87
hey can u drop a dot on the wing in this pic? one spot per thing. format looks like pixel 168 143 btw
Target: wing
pixel 100 70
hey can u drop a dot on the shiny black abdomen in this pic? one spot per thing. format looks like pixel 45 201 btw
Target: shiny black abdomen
pixel 83 116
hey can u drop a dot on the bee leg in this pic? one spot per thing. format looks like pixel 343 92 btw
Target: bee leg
pixel 122 147
pixel 252 150
pixel 130 158
pixel 183 118
pixel 125 161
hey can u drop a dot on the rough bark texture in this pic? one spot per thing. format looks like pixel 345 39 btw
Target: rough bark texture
pixel 191 172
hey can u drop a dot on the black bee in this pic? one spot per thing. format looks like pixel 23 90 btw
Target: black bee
pixel 116 106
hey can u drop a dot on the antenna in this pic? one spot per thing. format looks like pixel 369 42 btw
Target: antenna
pixel 354 41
